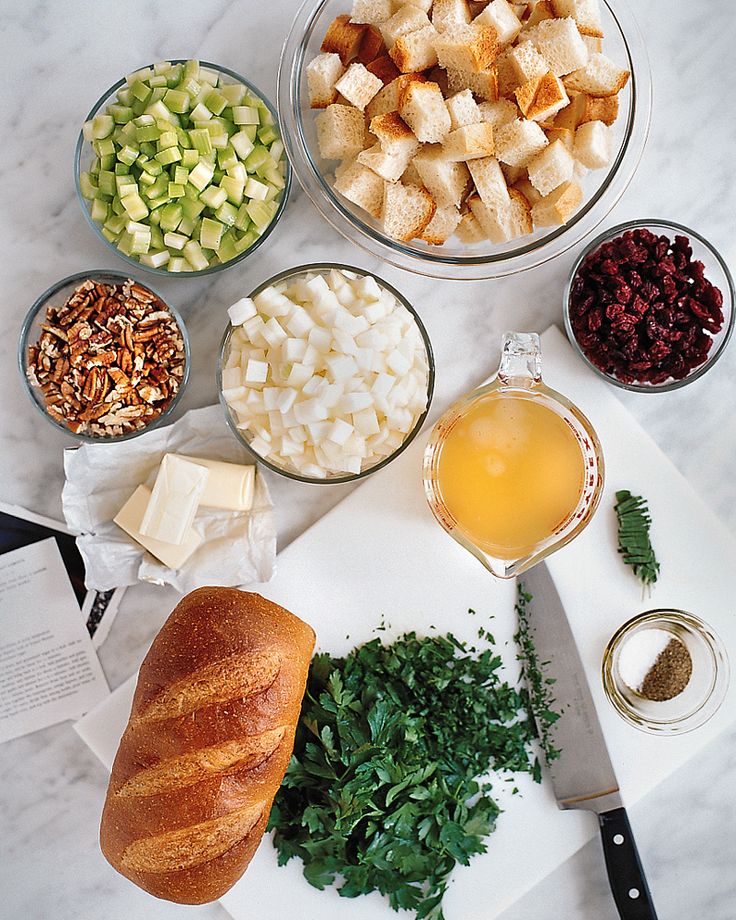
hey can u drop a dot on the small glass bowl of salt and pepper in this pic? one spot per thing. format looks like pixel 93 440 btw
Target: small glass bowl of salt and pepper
pixel 665 671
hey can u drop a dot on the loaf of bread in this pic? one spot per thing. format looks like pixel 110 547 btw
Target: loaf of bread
pixel 208 741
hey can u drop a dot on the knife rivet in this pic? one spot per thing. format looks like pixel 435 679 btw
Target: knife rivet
pixel 633 893
pixel 618 839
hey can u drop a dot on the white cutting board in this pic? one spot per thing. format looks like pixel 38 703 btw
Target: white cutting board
pixel 380 555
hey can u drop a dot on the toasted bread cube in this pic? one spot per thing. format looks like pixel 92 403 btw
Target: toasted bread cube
pixel 564 135
pixel 323 72
pixel 558 207
pixel 340 132
pixel 439 76
pixel 541 11
pixel 520 215
pixel 422 106
pixel 512 174
pixel 467 47
pixel 469 230
pixel 358 85
pixel 550 168
pixel 447 180
pixel 500 112
pixel 560 43
pixel 463 109
pixel 424 5
pixel 448 13
pixel 500 15
pixel 405 20
pixel 383 68
pixel 584 108
pixel 343 37
pixel 362 186
pixel 518 66
pixel 441 227
pixel 388 99
pixel 415 50
pixel 410 176
pixel 407 210
pixel 594 45
pixel 471 142
pixel 483 85
pixel 371 11
pixel 495 224
pixel 524 186
pixel 371 46
pixel 542 98
pixel 593 144
pixel 574 112
pixel 389 166
pixel 394 135
pixel 519 141
pixel 490 183
pixel 586 14
pixel 599 77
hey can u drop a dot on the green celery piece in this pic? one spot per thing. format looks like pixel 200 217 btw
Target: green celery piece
pixel 215 102
pixel 191 209
pixel 242 144
pixel 272 193
pixel 177 101
pixel 159 79
pixel 140 243
pixel 261 213
pixel 147 133
pixel 158 188
pixel 171 215
pixel 148 149
pixel 227 214
pixel 267 135
pixel 212 76
pixel 125 243
pixel 217 175
pixel 233 92
pixel 274 177
pixel 189 158
pixel 210 234
pixel 157 95
pixel 120 113
pixel 159 202
pixel 227 248
pixel 194 255
pixel 94 167
pixel 213 196
pixel 191 70
pixel 177 264
pixel 234 189
pixel 175 240
pixel 200 138
pixel 276 150
pixel 115 224
pixel 154 218
pixel 265 113
pixel 86 185
pixel 117 206
pixel 226 157
pixel 135 206
pixel 246 115
pixel 167 139
pixel 246 241
pixel 104 147
pixel 102 126
pixel 183 138
pixel 122 170
pixel 201 176
pixel 106 182
pixel 168 156
pixel 152 167
pixel 187 227
pixel 140 90
pixel 191 86
pixel 125 134
pixel 238 172
pixel 144 121
pixel 142 73
pixel 191 192
pixel 242 221
pixel 255 189
pixel 138 107
pixel 258 157
pixel 157 237
pixel 181 175
pixel 99 211
pixel 175 190
pixel 250 131
pixel 174 75
pixel 156 259
pixel 200 113
pixel 127 155
pixel 109 235
pixel 125 97
pixel 161 111
pixel 107 161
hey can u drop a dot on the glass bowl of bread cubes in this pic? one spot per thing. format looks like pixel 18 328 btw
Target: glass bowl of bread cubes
pixel 462 139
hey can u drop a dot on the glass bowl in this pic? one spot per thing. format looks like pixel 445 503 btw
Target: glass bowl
pixel 624 43
pixel 331 479
pixel 704 692
pixel 84 154
pixel 716 271
pixel 56 295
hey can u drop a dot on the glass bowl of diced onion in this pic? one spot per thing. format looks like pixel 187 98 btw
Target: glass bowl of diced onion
pixel 623 43
pixel 306 326
pixel 237 222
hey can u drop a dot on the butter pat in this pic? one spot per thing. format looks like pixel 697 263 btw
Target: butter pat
pixel 174 500
pixel 229 485
pixel 129 519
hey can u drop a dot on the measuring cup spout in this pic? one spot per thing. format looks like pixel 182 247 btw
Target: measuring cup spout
pixel 521 359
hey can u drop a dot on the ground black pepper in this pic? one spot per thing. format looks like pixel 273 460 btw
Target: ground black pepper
pixel 670 673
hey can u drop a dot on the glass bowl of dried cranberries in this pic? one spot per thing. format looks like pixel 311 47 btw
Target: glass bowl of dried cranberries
pixel 649 305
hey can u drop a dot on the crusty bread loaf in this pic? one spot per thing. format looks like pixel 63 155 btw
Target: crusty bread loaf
pixel 208 741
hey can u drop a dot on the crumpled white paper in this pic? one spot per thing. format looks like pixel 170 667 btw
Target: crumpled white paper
pixel 238 548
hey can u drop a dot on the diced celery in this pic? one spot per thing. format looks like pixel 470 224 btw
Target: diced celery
pixel 107 161
pixel 158 188
pixel 117 205
pixel 215 102
pixel 189 158
pixel 175 190
pixel 125 243
pixel 173 76
pixel 272 193
pixel 175 240
pixel 259 156
pixel 125 97
pixel 182 137
pixel 213 196
pixel 191 87
pixel 140 90
pixel 152 167
pixel 104 147
pixel 122 169
pixel 233 92
pixel 120 113
pixel 250 132
pixel 191 209
pixel 273 176
pixel 99 210
pixel 160 110
pixel 181 175
pixel 191 192
pixel 267 135
pixel 140 243
pixel 86 185
pixel 245 115
pixel 102 126
pixel 109 235
pixel 226 157
pixel 276 150
pixel 255 189
pixel 200 112
pixel 135 206
pixel 242 221
pixel 127 155
pixel 201 176
pixel 210 234
pixel 168 156
pixel 200 138
pixel 234 189
pixel 154 217
pixel 177 264
pixel 158 202
pixel 194 255
pixel 261 213
pixel 156 259
pixel 265 114
pixel 147 133
pixel 146 179
pixel 106 182
pixel 116 224
pixel 148 149
pixel 171 215
pixel 227 248
pixel 241 144
pixel 227 214
pixel 158 80
pixel 211 76
pixel 157 237
pixel 167 139
pixel 187 226
pixel 246 241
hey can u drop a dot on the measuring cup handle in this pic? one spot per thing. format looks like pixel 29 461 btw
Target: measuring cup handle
pixel 521 359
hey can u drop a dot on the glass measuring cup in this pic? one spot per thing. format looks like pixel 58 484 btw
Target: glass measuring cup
pixel 514 471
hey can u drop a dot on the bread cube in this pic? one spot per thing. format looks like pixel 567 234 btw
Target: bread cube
pixel 422 106
pixel 388 99
pixel 489 181
pixel 564 135
pixel 386 165
pixel 340 132
pixel 560 43
pixel 519 65
pixel 599 77
pixel 371 46
pixel 558 207
pixel 593 145
pixel 542 98
pixel 448 13
pixel 411 176
pixel 550 168
pixel 584 108
pixel 415 51
pixel 441 227
pixel 500 112
pixel 362 186
pixel 513 174
pixel 586 14
pixel 358 85
pixel 483 84
pixel 407 210
pixel 467 47
pixel 438 75
pixel 371 11
pixel 541 11
pixel 496 224
pixel 446 180
pixel 383 68
pixel 406 19
pixel 499 14
pixel 519 141
pixel 463 109
pixel 323 72
pixel 394 135
pixel 471 142
pixel 424 5
pixel 594 45
pixel 469 230
pixel 524 186
pixel 343 37
pixel 520 215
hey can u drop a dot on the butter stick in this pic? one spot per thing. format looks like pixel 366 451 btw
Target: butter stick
pixel 129 519
pixel 174 500
pixel 229 485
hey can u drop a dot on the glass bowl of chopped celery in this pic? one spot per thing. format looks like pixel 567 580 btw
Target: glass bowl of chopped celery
pixel 180 168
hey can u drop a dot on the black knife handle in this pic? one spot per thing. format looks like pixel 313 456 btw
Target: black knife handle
pixel 625 872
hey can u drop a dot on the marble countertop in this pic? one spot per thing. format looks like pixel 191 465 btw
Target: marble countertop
pixel 57 59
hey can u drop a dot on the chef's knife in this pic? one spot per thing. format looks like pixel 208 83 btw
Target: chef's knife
pixel 583 776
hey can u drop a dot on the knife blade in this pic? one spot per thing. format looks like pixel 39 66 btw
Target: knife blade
pixel 583 775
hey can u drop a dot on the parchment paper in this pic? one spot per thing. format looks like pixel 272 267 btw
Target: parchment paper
pixel 238 548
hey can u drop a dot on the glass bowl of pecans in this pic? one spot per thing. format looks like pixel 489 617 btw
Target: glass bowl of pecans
pixel 649 305
pixel 103 357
